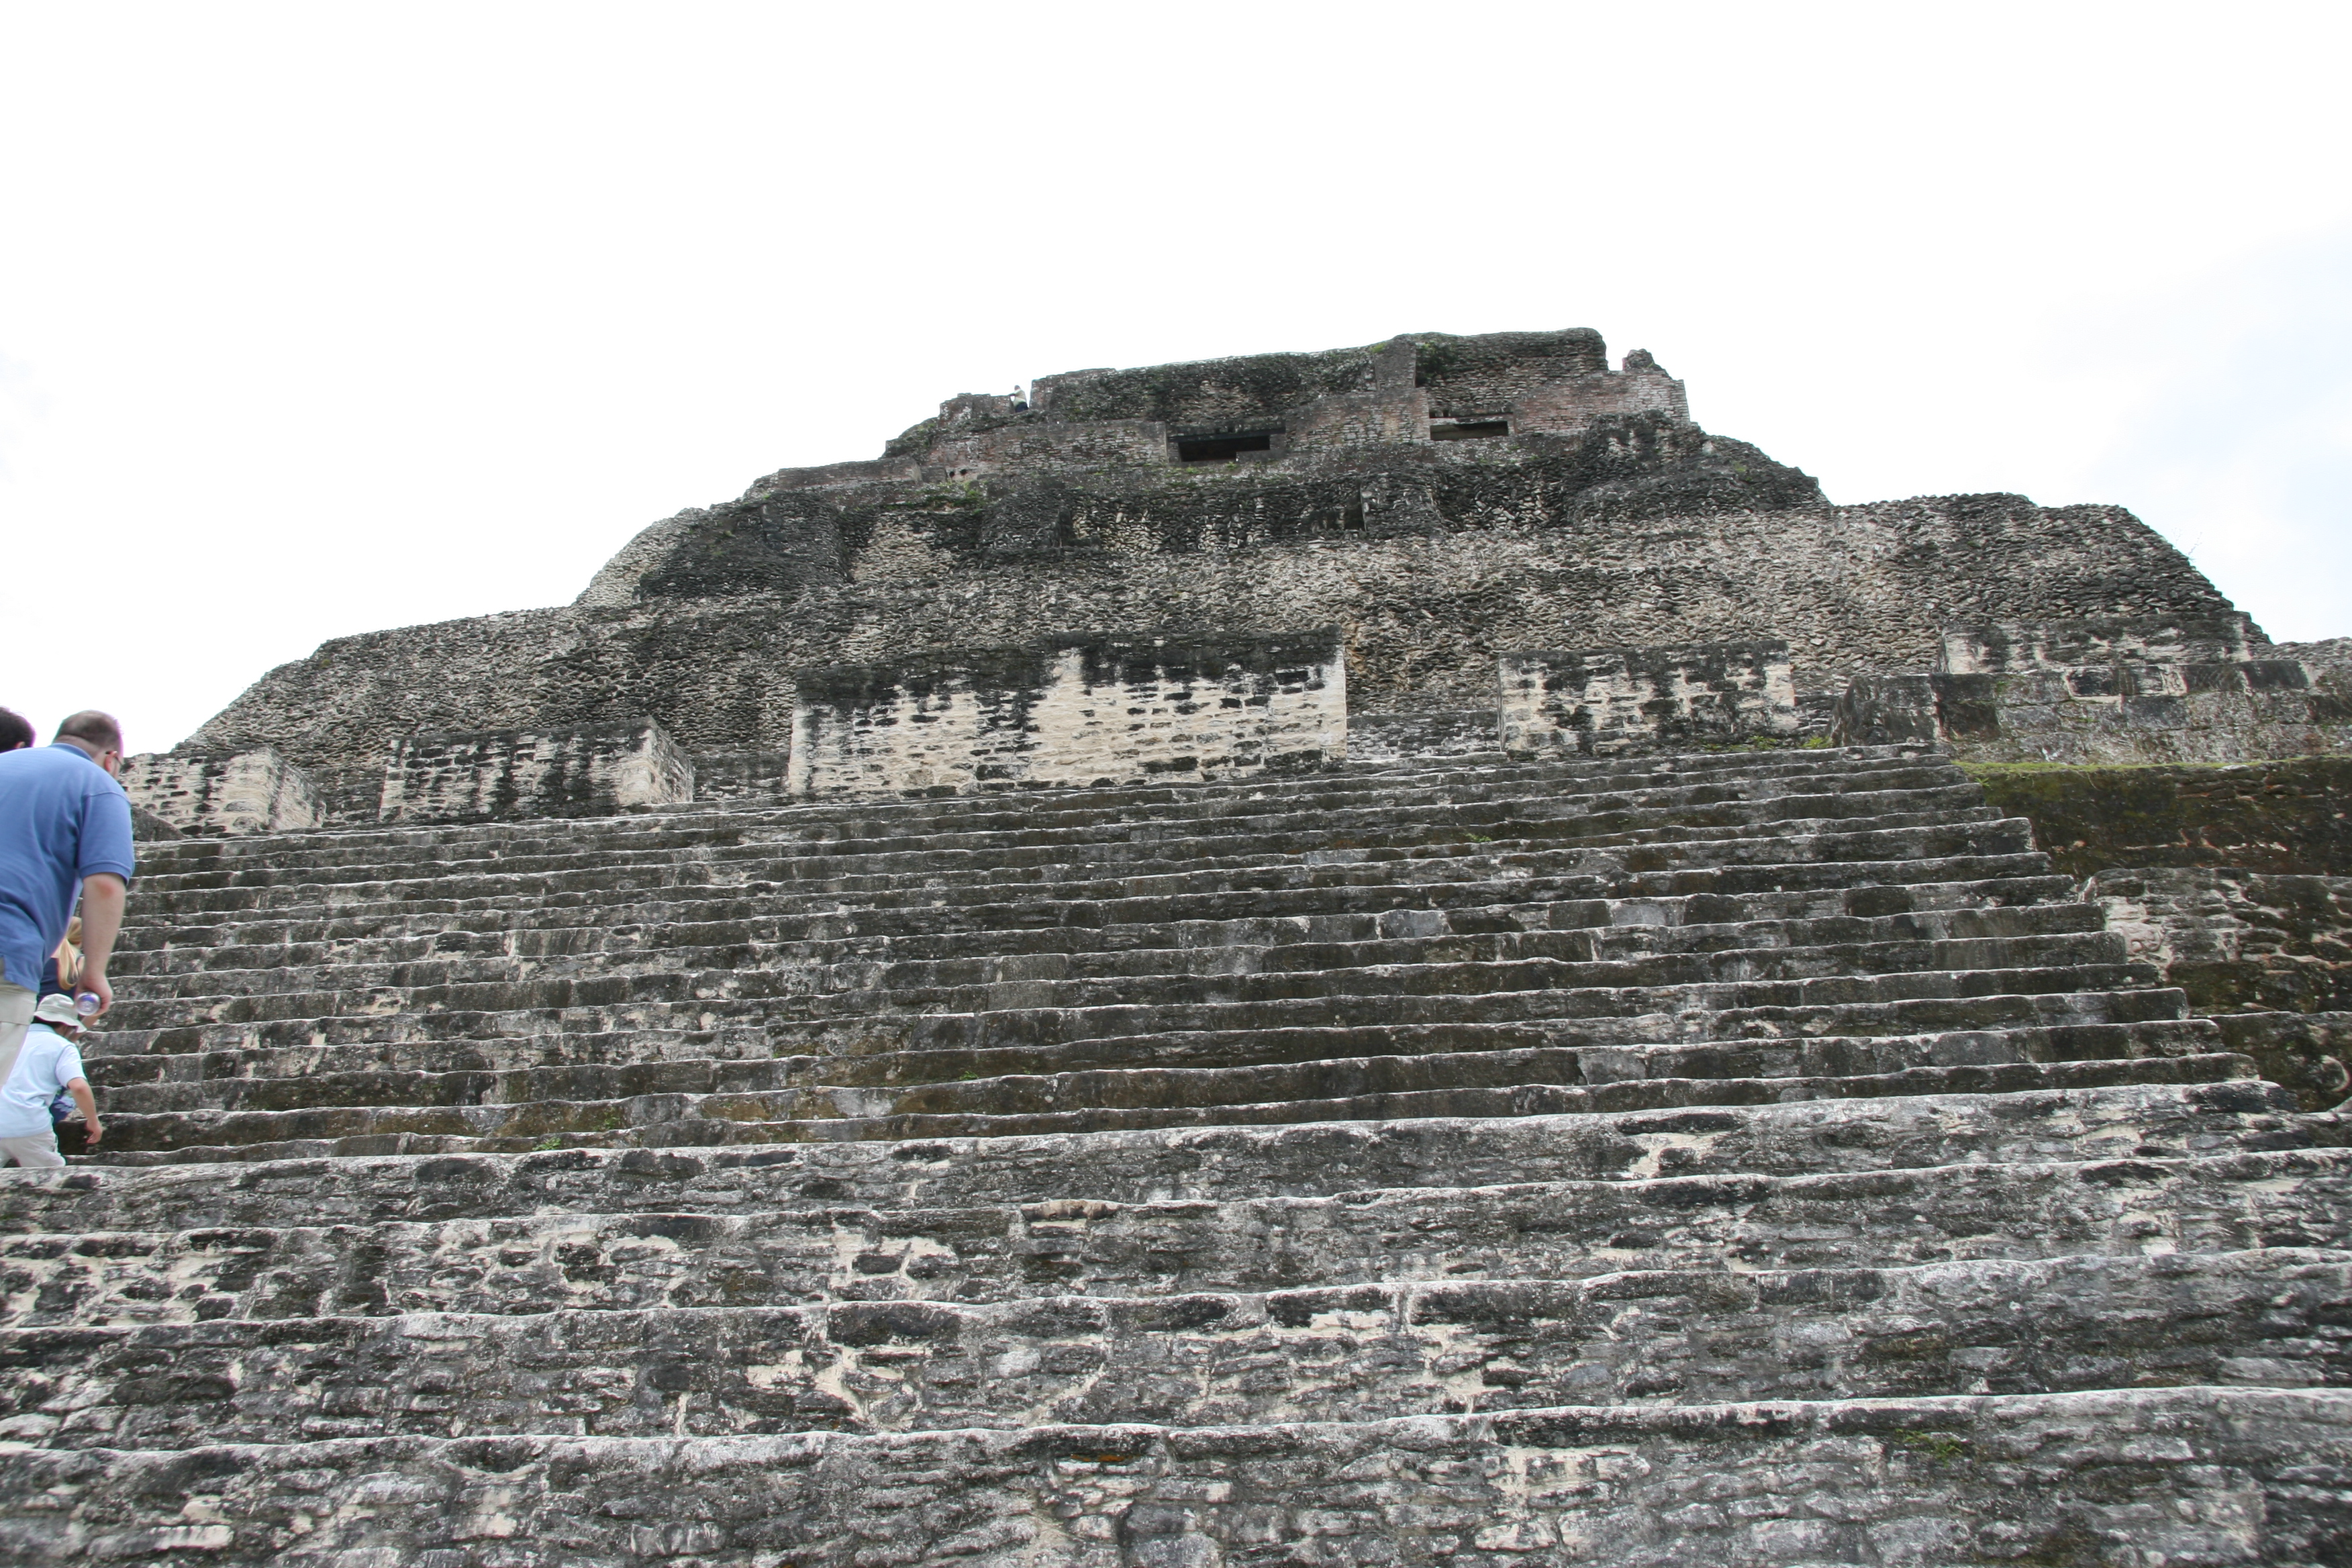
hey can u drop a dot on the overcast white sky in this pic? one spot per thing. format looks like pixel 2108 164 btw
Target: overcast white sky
pixel 320 319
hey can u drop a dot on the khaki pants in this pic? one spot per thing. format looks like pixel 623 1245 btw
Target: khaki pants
pixel 35 1150
pixel 16 1015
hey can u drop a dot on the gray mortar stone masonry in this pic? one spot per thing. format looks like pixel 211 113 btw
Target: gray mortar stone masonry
pixel 250 791
pixel 588 772
pixel 1094 710
pixel 1608 702
pixel 2102 693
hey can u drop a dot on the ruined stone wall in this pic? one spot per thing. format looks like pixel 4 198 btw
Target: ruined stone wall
pixel 2106 691
pixel 1092 710
pixel 248 792
pixel 1607 701
pixel 468 778
pixel 741 778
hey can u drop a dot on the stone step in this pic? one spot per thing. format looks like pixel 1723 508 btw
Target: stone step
pixel 1905 1003
pixel 1342 912
pixel 1583 930
pixel 1911 1003
pixel 1558 962
pixel 1003 1252
pixel 2177 1475
pixel 1292 888
pixel 2230 1121
pixel 1345 1353
pixel 1017 838
pixel 1019 1082
pixel 1579 930
pixel 1337 790
pixel 820 1115
pixel 1849 845
pixel 514 1072
pixel 1045 821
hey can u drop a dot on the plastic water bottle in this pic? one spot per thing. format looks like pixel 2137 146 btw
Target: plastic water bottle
pixel 87 1004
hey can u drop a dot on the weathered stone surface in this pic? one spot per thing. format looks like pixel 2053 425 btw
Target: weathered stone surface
pixel 1331 1353
pixel 1312 1120
pixel 1438 499
pixel 1604 702
pixel 1158 1250
pixel 1398 737
pixel 1098 710
pixel 588 772
pixel 2142 647
pixel 2292 816
pixel 741 778
pixel 2106 691
pixel 1296 1136
pixel 1852 1137
pixel 2190 1475
pixel 2234 939
pixel 2309 1054
pixel 249 791
pixel 145 826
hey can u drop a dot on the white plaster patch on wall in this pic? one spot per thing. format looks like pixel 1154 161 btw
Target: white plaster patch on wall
pixel 512 774
pixel 1602 702
pixel 246 791
pixel 1081 711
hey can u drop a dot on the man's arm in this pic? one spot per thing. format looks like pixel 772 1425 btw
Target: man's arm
pixel 102 898
pixel 87 1103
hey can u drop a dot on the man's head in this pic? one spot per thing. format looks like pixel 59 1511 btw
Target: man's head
pixel 16 730
pixel 96 733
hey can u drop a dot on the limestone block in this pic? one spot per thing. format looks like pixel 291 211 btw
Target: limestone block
pixel 510 773
pixel 246 792
pixel 1604 701
pixel 1074 709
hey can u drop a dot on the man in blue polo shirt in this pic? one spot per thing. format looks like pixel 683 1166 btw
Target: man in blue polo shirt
pixel 65 830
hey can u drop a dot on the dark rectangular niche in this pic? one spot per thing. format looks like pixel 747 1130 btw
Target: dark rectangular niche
pixel 1219 448
pixel 1467 429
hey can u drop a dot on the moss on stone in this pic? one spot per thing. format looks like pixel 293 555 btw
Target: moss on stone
pixel 2292 816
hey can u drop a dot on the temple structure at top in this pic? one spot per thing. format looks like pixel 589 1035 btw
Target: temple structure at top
pixel 1426 545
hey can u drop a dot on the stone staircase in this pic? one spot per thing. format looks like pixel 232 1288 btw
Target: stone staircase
pixel 1740 1157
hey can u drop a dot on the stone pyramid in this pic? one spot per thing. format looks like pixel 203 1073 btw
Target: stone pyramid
pixel 1375 958
pixel 1742 1157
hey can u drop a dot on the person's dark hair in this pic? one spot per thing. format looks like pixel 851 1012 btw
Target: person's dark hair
pixel 92 729
pixel 16 730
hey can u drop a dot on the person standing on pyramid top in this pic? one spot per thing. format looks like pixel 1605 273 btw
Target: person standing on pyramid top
pixel 65 832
